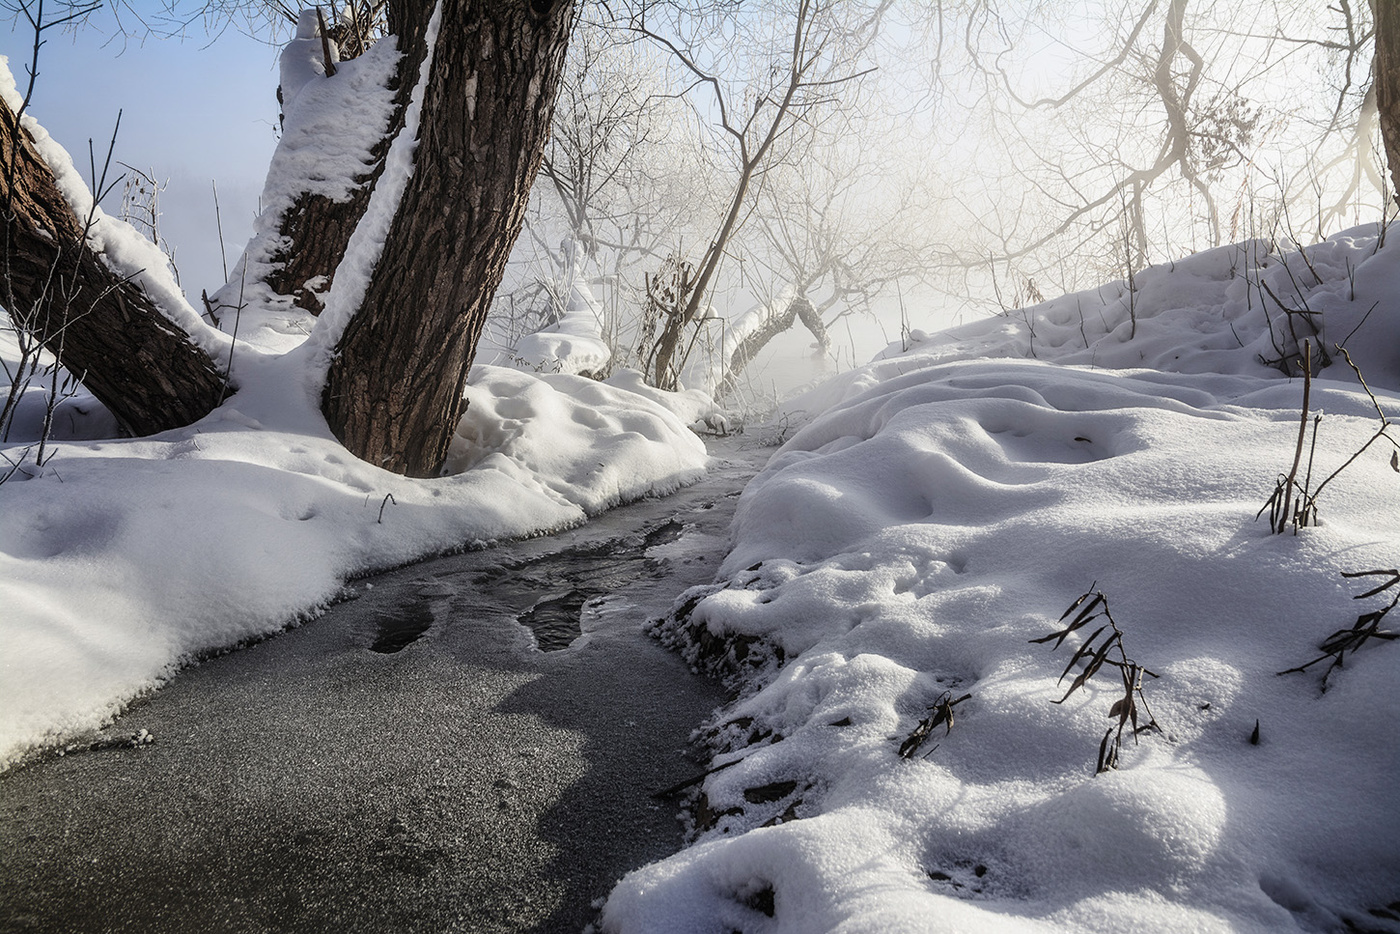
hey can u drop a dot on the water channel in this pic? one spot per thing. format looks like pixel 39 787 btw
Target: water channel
pixel 471 744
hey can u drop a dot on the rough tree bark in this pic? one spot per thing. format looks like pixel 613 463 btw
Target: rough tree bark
pixel 1387 82
pixel 103 328
pixel 394 393
pixel 317 228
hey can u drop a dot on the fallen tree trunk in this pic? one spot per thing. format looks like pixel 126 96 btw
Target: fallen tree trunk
pixel 799 308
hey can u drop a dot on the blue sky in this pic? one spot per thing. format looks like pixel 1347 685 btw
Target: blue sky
pixel 192 111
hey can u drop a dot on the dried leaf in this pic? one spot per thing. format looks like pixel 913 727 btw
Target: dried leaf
pixel 1098 597
pixel 915 739
pixel 1085 615
pixel 1108 753
pixel 942 714
pixel 1094 665
pixel 945 714
pixel 1393 575
pixel 1084 650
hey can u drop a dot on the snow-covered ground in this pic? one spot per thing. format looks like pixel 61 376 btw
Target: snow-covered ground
pixel 125 559
pixel 928 523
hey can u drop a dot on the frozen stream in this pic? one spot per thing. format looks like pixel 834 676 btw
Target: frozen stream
pixel 411 761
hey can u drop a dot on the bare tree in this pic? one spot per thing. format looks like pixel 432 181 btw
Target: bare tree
pixel 1166 129
pixel 837 229
pixel 763 113
pixel 617 186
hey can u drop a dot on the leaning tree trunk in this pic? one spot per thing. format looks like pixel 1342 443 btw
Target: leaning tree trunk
pixel 103 328
pixel 1387 82
pixel 394 391
pixel 799 308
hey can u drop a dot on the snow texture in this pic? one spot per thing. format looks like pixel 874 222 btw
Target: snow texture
pixel 938 511
pixel 303 58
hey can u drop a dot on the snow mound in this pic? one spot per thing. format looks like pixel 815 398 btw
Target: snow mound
pixel 1221 311
pixel 574 343
pixel 936 515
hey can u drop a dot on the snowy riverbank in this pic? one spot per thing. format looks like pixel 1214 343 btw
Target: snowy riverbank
pixel 123 560
pixel 906 755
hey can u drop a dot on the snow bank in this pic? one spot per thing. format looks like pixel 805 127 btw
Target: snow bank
pixel 1218 311
pixel 936 515
pixel 127 559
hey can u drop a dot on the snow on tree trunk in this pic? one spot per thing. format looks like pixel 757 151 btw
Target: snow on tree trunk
pixel 1387 82
pixel 336 132
pixel 393 392
pixel 96 293
pixel 752 331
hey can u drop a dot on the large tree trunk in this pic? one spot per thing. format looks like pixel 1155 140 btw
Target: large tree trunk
pixel 394 392
pixel 1387 82
pixel 103 328
pixel 317 229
